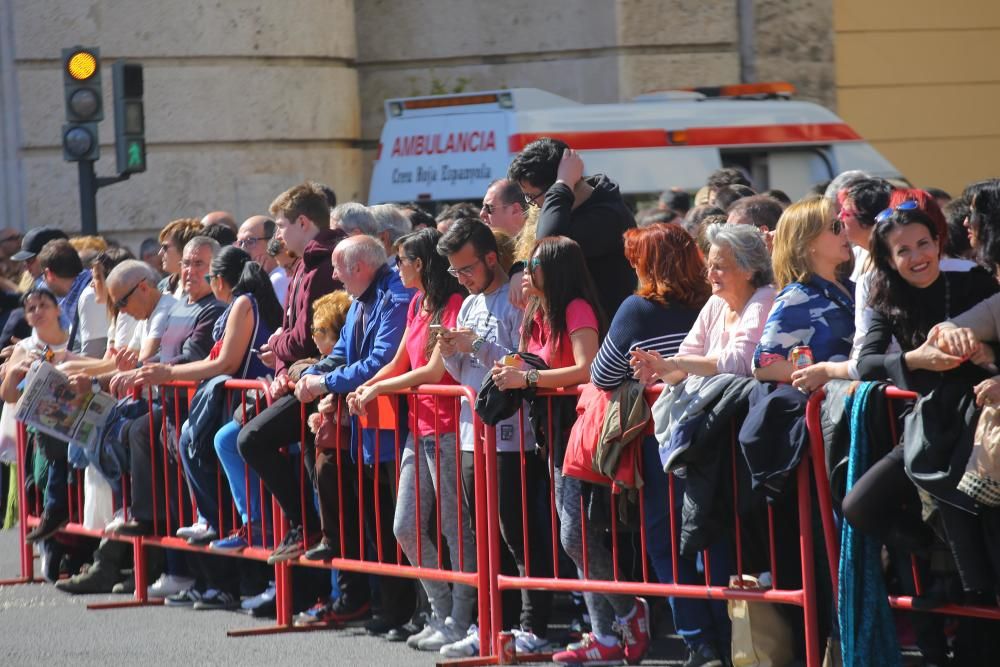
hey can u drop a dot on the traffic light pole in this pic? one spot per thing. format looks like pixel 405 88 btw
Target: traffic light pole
pixel 88 198
pixel 89 185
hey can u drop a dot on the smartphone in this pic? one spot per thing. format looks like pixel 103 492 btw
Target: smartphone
pixel 437 328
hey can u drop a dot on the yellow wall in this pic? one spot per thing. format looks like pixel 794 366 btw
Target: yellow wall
pixel 920 80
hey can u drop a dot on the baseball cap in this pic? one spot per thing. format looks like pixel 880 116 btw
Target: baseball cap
pixel 34 240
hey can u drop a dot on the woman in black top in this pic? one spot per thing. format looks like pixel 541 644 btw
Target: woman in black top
pixel 910 295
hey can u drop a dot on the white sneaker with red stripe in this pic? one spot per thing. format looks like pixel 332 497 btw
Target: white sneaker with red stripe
pixel 589 652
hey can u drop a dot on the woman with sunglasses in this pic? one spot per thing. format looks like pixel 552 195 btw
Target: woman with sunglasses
pixel 252 314
pixel 815 304
pixel 428 458
pixel 910 295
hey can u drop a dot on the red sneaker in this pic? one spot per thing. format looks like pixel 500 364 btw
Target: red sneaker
pixel 590 652
pixel 635 633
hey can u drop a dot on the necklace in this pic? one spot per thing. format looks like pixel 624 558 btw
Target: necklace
pixel 947 297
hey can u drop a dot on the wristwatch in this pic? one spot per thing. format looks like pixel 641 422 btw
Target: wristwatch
pixel 531 378
pixel 478 344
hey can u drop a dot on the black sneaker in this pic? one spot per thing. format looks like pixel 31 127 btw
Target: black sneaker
pixel 291 547
pixel 214 599
pixel 703 656
pixel 322 551
pixel 186 598
pixel 136 528
pixel 49 524
pixel 381 625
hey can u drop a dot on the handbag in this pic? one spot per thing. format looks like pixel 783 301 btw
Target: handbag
pixel 761 636
pixel 981 480
pixel 8 434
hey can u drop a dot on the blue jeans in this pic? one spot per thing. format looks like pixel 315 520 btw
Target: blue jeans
pixel 698 622
pixel 236 471
pixel 201 473
pixel 57 488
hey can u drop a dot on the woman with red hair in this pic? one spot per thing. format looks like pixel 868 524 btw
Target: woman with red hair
pixel 722 339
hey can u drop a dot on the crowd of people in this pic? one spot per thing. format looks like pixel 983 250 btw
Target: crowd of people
pixel 738 303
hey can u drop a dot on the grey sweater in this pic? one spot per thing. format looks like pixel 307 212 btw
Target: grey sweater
pixel 494 319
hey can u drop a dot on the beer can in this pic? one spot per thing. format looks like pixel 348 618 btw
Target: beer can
pixel 800 356
pixel 506 648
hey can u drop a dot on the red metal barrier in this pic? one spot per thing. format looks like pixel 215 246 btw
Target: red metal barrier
pixel 804 597
pixel 830 531
pixel 383 414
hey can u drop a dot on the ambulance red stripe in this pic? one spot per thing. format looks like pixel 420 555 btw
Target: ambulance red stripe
pixel 694 136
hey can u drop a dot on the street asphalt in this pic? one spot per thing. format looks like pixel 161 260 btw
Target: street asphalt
pixel 40 625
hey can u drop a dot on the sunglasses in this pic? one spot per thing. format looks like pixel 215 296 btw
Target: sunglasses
pixel 837 226
pixel 533 200
pixel 908 205
pixel 122 302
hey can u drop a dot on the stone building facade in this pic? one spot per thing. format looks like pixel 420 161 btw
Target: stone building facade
pixel 245 98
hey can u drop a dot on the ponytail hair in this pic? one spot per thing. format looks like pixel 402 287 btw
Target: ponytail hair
pixel 256 282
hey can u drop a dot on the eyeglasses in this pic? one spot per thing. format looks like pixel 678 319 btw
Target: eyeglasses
pixel 122 302
pixel 534 263
pixel 464 271
pixel 251 241
pixel 533 200
pixel 836 227
pixel 319 331
pixel 908 205
pixel 15 237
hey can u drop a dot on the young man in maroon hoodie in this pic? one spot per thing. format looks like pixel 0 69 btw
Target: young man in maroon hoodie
pixel 302 219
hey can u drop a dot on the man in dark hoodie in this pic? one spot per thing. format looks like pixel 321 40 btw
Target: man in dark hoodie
pixel 302 218
pixel 590 210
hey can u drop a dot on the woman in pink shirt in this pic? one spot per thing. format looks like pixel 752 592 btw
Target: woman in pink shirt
pixel 563 324
pixel 429 458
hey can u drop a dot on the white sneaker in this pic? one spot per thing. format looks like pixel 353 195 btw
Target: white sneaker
pixel 169 584
pixel 116 522
pixel 195 530
pixel 529 642
pixel 446 633
pixel 429 629
pixel 463 648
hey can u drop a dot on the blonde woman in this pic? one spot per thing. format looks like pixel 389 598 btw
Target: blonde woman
pixel 815 302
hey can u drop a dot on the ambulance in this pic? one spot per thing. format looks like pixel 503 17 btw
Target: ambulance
pixel 447 148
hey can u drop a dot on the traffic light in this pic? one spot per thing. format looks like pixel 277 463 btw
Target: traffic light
pixel 130 127
pixel 84 109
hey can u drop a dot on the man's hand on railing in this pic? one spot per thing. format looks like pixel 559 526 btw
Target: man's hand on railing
pixel 309 388
pixel 278 387
pixel 122 383
pixel 152 374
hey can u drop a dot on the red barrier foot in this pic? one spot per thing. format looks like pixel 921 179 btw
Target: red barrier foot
pixel 125 604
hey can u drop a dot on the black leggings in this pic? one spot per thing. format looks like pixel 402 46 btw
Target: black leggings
pixel 884 504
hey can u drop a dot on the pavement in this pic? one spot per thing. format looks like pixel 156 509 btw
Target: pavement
pixel 40 625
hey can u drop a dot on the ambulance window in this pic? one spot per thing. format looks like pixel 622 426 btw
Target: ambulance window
pixel 753 164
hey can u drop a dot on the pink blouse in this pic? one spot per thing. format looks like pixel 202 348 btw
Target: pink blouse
pixel 734 347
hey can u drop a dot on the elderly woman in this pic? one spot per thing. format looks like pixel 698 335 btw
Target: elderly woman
pixel 722 340
pixel 815 306
pixel 729 326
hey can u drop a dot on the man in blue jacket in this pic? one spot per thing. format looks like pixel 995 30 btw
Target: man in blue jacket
pixel 372 332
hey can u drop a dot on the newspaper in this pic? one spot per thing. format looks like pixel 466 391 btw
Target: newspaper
pixel 50 405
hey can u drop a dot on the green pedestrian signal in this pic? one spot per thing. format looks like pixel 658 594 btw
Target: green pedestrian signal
pixel 130 126
pixel 136 155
